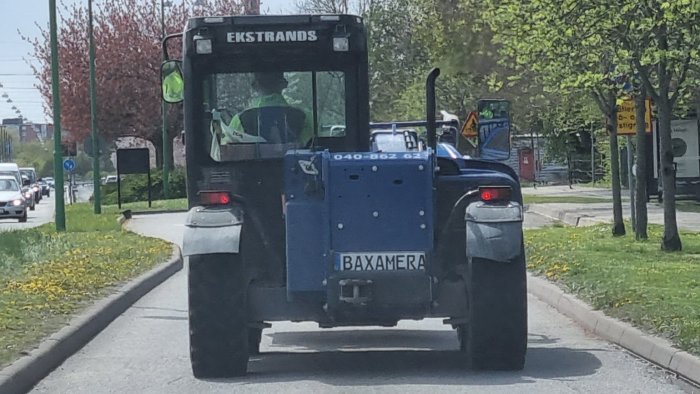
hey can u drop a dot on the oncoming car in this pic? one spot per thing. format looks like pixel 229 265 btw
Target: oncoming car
pixel 12 202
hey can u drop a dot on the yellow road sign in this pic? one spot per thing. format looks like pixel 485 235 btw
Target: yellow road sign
pixel 470 129
pixel 626 118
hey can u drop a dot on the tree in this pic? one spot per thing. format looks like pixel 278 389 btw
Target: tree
pixel 661 40
pixel 641 175
pixel 359 7
pixel 128 57
pixel 36 155
pixel 572 53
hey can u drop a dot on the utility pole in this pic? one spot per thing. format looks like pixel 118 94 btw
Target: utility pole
pixel 57 157
pixel 163 110
pixel 630 181
pixel 96 193
pixel 593 153
pixel 3 142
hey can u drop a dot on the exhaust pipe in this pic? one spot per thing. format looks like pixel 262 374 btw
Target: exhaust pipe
pixel 430 107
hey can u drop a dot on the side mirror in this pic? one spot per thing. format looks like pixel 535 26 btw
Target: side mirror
pixel 494 129
pixel 172 82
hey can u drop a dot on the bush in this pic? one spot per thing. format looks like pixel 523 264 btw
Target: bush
pixel 135 187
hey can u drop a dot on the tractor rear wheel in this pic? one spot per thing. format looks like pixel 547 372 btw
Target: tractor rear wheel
pixel 218 316
pixel 495 337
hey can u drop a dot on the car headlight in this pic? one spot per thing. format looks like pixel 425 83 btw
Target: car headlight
pixel 28 195
pixel 17 202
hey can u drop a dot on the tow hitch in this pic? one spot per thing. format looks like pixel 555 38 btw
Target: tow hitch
pixel 355 291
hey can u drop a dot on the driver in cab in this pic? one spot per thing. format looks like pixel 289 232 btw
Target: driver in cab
pixel 269 87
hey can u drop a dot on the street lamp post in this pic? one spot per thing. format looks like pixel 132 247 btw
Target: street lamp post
pixel 164 109
pixel 93 120
pixel 57 158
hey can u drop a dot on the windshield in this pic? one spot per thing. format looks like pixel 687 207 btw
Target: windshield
pixel 10 173
pixel 28 173
pixel 8 185
pixel 401 141
pixel 262 115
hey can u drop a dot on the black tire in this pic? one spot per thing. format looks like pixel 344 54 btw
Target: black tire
pixel 495 338
pixel 218 316
pixel 33 207
pixel 254 338
pixel 23 219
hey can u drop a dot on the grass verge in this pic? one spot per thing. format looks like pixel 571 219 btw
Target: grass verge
pixel 687 206
pixel 533 199
pixel 633 281
pixel 45 276
pixel 157 205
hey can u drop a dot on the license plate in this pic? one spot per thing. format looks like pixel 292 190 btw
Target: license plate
pixel 380 261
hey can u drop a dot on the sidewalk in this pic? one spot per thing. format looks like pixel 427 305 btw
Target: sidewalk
pixel 575 190
pixel 588 214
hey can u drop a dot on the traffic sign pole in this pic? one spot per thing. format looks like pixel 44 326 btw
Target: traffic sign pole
pixel 57 158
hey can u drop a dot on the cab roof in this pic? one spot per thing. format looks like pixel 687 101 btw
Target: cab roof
pixel 269 20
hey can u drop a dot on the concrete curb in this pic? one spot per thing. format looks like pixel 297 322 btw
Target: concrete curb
pixel 657 350
pixel 23 374
pixel 121 219
pixel 570 218
pixel 157 212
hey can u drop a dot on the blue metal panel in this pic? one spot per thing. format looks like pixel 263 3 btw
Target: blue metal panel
pixel 306 222
pixel 354 202
pixel 380 201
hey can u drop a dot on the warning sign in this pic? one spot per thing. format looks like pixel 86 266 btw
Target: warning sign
pixel 626 119
pixel 470 129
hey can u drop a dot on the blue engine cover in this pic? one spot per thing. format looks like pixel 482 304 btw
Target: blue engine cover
pixel 354 202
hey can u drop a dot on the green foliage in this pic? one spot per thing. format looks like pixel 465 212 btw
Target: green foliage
pixel 37 155
pixel 135 187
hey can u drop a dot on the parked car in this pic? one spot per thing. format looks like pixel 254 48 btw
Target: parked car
pixel 12 202
pixel 110 179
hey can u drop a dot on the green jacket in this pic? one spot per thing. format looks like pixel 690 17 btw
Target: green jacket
pixel 272 100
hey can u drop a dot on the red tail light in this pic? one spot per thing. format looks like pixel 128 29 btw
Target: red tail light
pixel 214 198
pixel 495 193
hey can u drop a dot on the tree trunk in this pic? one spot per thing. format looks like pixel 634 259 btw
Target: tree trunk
pixel 641 175
pixel 158 145
pixel 618 228
pixel 671 241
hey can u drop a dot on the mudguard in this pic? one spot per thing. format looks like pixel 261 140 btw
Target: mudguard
pixel 212 230
pixel 494 232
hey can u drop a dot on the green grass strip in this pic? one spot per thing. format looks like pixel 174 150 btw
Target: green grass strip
pixel 162 205
pixel 633 281
pixel 535 199
pixel 45 276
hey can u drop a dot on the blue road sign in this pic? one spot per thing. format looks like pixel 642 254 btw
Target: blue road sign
pixel 69 165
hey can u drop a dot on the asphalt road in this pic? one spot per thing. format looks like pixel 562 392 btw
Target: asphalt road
pixel 42 214
pixel 146 351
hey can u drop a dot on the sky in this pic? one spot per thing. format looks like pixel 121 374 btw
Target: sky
pixel 16 76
